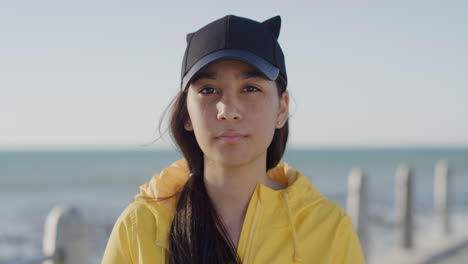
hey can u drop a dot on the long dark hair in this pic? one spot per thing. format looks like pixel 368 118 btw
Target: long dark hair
pixel 198 234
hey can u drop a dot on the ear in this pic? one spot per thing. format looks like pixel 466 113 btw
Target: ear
pixel 274 24
pixel 283 113
pixel 188 125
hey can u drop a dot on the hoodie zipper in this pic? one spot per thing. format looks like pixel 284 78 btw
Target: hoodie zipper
pixel 249 241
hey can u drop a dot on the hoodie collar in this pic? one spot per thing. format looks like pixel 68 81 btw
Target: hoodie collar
pixel 171 180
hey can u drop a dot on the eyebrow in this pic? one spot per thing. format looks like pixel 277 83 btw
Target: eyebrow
pixel 242 76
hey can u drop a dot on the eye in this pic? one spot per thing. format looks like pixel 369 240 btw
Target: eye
pixel 207 90
pixel 251 88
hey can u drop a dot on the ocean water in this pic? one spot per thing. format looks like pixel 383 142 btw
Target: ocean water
pixel 102 183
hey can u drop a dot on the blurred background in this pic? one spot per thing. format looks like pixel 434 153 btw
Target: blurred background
pixel 84 84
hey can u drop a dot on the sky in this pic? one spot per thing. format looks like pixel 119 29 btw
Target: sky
pixel 99 74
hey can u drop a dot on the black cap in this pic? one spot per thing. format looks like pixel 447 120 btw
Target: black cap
pixel 233 37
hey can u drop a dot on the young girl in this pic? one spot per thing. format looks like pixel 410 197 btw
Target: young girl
pixel 231 200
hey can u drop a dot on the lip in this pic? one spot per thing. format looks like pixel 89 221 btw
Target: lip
pixel 231 137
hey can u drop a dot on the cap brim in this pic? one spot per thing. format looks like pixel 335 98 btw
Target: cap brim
pixel 270 71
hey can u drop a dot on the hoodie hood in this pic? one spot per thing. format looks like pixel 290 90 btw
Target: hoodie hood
pixel 167 183
pixel 171 180
pixel 298 195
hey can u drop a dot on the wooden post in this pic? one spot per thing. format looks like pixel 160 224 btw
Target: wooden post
pixel 442 196
pixel 404 205
pixel 357 205
pixel 65 236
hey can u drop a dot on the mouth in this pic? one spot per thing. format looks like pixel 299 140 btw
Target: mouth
pixel 231 137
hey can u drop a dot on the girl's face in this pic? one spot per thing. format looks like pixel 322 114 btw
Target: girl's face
pixel 233 112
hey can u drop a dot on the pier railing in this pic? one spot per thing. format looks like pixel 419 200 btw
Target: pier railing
pixel 357 204
pixel 64 240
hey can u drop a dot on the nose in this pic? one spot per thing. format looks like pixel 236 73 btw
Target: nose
pixel 228 110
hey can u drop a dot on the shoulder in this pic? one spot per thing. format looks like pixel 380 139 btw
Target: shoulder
pixel 330 209
pixel 137 236
pixel 334 216
pixel 140 232
pixel 333 221
pixel 316 214
pixel 306 199
pixel 143 215
pixel 144 220
pixel 133 211
pixel 135 218
pixel 328 222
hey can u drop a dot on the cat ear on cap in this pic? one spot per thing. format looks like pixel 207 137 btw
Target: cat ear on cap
pixel 188 37
pixel 274 24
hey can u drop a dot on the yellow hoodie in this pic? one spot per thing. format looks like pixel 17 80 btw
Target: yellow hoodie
pixel 293 225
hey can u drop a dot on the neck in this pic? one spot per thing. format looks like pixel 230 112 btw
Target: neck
pixel 231 187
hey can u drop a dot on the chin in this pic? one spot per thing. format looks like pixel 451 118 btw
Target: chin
pixel 234 158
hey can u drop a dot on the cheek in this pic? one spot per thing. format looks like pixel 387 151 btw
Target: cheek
pixel 261 124
pixel 199 116
pixel 263 113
